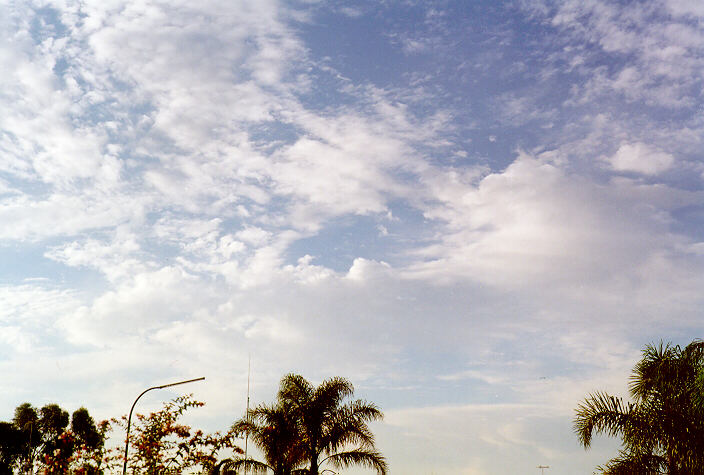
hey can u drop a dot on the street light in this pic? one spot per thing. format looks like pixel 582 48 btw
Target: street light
pixel 542 468
pixel 129 418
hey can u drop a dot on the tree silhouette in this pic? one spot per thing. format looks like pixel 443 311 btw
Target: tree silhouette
pixel 11 446
pixel 272 429
pixel 330 430
pixel 663 429
pixel 311 426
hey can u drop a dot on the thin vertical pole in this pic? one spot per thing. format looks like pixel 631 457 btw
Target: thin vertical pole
pixel 246 437
pixel 129 418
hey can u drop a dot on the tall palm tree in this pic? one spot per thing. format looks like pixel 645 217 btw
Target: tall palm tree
pixel 663 429
pixel 331 431
pixel 273 430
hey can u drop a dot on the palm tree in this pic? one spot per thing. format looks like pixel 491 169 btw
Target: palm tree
pixel 663 429
pixel 328 428
pixel 273 430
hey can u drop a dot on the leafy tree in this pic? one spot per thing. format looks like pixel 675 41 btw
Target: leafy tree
pixel 53 421
pixel 43 438
pixel 11 446
pixel 26 420
pixel 90 456
pixel 662 431
pixel 85 430
pixel 273 429
pixel 60 458
pixel 327 430
pixel 160 444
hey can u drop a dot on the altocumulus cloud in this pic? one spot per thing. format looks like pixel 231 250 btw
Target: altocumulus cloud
pixel 477 213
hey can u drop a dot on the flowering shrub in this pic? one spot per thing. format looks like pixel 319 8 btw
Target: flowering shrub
pixel 59 459
pixel 82 452
pixel 160 444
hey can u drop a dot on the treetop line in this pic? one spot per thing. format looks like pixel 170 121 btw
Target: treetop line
pixel 309 430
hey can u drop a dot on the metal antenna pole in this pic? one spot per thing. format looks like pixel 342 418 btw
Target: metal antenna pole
pixel 129 418
pixel 246 436
pixel 542 468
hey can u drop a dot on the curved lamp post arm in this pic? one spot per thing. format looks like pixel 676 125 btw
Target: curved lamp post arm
pixel 129 418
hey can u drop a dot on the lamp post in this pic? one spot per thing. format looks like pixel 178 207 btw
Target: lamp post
pixel 542 468
pixel 129 418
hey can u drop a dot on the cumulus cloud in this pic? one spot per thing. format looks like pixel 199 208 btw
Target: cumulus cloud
pixel 533 221
pixel 640 158
pixel 200 157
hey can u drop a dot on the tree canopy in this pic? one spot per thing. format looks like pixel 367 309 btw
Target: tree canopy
pixel 309 427
pixel 43 438
pixel 662 430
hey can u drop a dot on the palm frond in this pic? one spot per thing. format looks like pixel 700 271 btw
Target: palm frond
pixel 348 425
pixel 663 431
pixel 294 387
pixel 333 391
pixel 248 465
pixel 273 429
pixel 601 413
pixel 630 463
pixel 365 458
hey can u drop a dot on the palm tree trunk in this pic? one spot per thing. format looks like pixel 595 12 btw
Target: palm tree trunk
pixel 314 463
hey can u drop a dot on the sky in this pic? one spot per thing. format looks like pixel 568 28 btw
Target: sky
pixel 478 212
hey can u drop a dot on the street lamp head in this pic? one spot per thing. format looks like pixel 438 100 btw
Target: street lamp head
pixel 129 418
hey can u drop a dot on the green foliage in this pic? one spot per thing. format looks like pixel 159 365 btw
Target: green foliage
pixel 26 420
pixel 312 426
pixel 273 429
pixel 56 446
pixel 663 429
pixel 41 439
pixel 159 444
pixel 52 421
pixel 90 455
pixel 84 428
pixel 11 445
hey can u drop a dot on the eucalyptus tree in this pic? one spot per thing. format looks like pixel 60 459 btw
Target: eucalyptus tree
pixel 662 430
pixel 42 437
pixel 11 446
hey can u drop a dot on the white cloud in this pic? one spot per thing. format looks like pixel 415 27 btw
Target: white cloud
pixel 254 235
pixel 62 214
pixel 179 149
pixel 346 164
pixel 533 224
pixel 640 158
pixel 118 259
pixel 664 59
pixel 138 306
pixel 365 270
pixel 484 433
pixel 351 12
pixel 685 8
pixel 27 314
